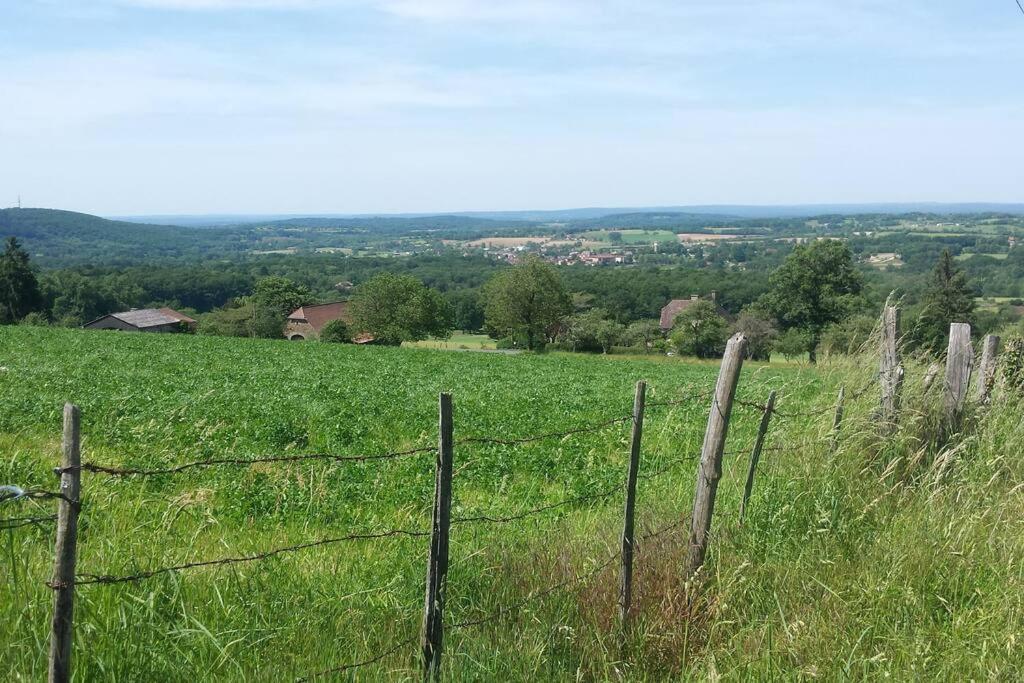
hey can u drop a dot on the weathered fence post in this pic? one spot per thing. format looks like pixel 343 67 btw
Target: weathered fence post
pixel 929 376
pixel 837 420
pixel 626 585
pixel 890 372
pixel 755 454
pixel 987 371
pixel 66 548
pixel 709 470
pixel 959 358
pixel 437 564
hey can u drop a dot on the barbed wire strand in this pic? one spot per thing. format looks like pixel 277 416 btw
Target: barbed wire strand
pixel 541 437
pixel 356 665
pixel 17 522
pixel 212 462
pixel 86 579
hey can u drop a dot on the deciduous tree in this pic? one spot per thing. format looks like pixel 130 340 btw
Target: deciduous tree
pixel 19 289
pixel 398 308
pixel 527 301
pixel 817 284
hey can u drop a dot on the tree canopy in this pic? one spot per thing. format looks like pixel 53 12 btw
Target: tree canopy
pixel 398 308
pixel 816 285
pixel 526 301
pixel 19 289
pixel 947 299
pixel 700 331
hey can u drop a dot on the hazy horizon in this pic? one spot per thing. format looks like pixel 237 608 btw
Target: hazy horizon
pixel 312 107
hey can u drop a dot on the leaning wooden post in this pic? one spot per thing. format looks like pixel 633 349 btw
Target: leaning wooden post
pixel 755 454
pixel 709 471
pixel 437 564
pixel 890 372
pixel 626 585
pixel 66 551
pixel 959 358
pixel 987 371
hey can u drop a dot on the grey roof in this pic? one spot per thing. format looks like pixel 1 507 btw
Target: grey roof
pixel 145 317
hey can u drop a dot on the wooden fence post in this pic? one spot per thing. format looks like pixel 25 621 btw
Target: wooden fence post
pixel 437 564
pixel 626 585
pixel 959 358
pixel 709 470
pixel 890 371
pixel 987 371
pixel 66 548
pixel 837 420
pixel 755 454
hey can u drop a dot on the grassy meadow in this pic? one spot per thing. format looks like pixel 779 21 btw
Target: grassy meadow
pixel 870 559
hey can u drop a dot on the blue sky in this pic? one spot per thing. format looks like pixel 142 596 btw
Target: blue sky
pixel 301 106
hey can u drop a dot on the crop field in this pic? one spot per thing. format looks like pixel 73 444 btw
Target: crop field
pixel 632 235
pixel 836 571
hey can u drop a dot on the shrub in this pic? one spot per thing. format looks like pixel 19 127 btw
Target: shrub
pixel 1011 363
pixel 335 332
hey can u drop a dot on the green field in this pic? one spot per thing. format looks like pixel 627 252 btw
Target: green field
pixel 633 236
pixel 846 567
pixel 457 342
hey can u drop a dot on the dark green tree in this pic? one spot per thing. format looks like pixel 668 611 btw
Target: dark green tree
pixel 272 300
pixel 815 286
pixel 948 299
pixel 700 331
pixel 398 308
pixel 19 289
pixel 526 301
pixel 760 333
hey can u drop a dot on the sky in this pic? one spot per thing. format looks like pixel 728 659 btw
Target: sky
pixel 122 107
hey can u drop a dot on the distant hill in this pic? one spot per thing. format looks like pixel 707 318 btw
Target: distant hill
pixel 55 237
pixel 699 211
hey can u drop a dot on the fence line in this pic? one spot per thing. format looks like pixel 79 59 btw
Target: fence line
pixel 712 452
pixel 16 522
pixel 86 579
pixel 243 462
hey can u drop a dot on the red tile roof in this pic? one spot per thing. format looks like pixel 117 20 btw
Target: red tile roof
pixel 318 315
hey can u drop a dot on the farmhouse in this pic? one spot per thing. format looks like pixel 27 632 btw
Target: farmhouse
pixel 672 309
pixel 144 320
pixel 306 322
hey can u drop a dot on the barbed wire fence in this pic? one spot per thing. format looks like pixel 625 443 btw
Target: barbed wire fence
pixel 65 577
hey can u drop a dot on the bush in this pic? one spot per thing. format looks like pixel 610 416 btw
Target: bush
pixel 793 343
pixel 36 319
pixel 848 336
pixel 335 332
pixel 1011 363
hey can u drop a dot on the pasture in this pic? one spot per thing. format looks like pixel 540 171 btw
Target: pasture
pixel 842 567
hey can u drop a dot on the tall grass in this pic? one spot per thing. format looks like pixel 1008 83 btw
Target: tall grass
pixel 896 555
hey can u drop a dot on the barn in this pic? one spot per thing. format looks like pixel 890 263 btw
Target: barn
pixel 673 308
pixel 306 322
pixel 144 320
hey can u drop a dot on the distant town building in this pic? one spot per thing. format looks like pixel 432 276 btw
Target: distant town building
pixel 673 308
pixel 144 320
pixel 604 259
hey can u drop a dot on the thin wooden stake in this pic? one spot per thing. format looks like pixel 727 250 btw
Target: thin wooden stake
pixel 837 421
pixel 959 358
pixel 930 375
pixel 890 370
pixel 987 371
pixel 626 585
pixel 755 454
pixel 437 564
pixel 66 550
pixel 709 471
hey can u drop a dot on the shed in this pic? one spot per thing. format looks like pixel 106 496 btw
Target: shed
pixel 144 320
